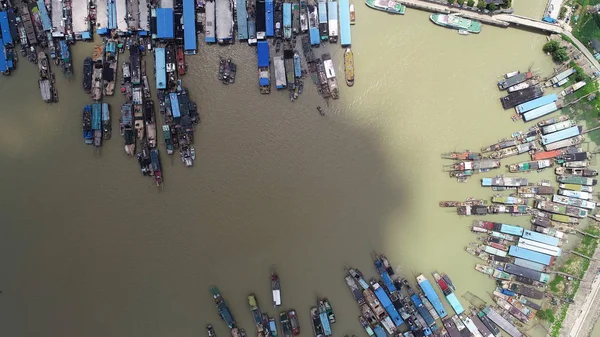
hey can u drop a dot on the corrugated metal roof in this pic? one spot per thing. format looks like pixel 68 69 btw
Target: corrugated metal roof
pixel 560 135
pixel 345 36
pixel 269 31
pixel 161 68
pixel 164 23
pixel 262 50
pixel 540 111
pixel 536 103
pixel 4 25
pixel 189 23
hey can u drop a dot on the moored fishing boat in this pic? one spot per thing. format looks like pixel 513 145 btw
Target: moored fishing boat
pixel 523 85
pixel 168 141
pixel 553 120
pixel 352 14
pixel 181 68
pixel 580 164
pixel 475 165
pixel 576 187
pixel 129 138
pixel 222 307
pixel 556 208
pixel 316 322
pixel 463 155
pixel 294 322
pixel 87 75
pixel 257 315
pixel 330 74
pixel 531 166
pixel 577 180
pixel 156 167
pixel 501 275
pixel 469 201
pixel 275 289
pixel 349 66
pixel 97 84
pixel 456 22
pixel 329 311
pixel 273 327
pixel 286 326
pixel 210 331
pixel 363 322
pixel 511 74
pixel 109 73
pixel 88 134
pixel 106 122
pixel 508 200
pixel 560 199
pixel 389 6
pixel 576 194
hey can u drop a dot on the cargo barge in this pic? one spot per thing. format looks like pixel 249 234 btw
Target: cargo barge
pixel 513 99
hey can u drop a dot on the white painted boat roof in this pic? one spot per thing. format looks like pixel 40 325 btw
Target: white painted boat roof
pixel 144 15
pixel 79 14
pixel 101 14
pixel 121 15
pixel 277 297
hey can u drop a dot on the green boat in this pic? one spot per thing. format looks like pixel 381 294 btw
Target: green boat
pixel 456 22
pixel 390 6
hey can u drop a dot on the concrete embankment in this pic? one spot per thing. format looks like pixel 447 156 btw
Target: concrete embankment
pixel 439 8
pixel 582 315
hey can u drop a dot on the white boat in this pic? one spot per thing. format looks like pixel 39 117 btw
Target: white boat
pixel 463 32
pixel 561 199
pixel 575 194
pixel 576 164
pixel 573 187
pixel 511 74
pixel 521 86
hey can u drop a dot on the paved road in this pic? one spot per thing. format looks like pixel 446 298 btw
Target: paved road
pixel 584 50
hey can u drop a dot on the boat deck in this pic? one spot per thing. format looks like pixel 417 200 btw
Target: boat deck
pixel 58 28
pixel 133 15
pixel 101 14
pixel 79 16
pixel 122 15
pixel 166 3
pixel 144 8
pixel 224 22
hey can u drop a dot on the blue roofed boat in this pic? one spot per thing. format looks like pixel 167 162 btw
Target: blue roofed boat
pixel 458 308
pixel 97 116
pixel 5 26
pixel 160 68
pixel 561 135
pixel 313 25
pixel 323 313
pixel 165 28
pixel 224 311
pixel 252 38
pixel 512 230
pixel 387 304
pixel 385 276
pixel 175 105
pixel 287 20
pixel 422 309
pixel 189 24
pixel 209 27
pixel 530 255
pixel 323 29
pixel 65 55
pixel 539 237
pixel 541 111
pixel 242 20
pixel 269 26
pixel 379 332
pixel 5 66
pixel 431 295
pixel 345 36
pixel 358 277
pixel 297 65
pixel 45 18
pixel 264 73
pixel 112 15
pixel 536 103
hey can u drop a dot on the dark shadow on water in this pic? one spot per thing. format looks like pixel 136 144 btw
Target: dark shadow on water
pixel 89 250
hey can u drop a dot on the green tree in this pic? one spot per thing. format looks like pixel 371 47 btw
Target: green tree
pixel 451 1
pixel 551 46
pixel 563 12
pixel 471 3
pixel 461 2
pixel 492 6
pixel 481 4
pixel 545 315
pixel 560 55
pixel 507 4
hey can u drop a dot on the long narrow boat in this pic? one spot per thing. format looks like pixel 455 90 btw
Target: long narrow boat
pixel 349 66
pixel 531 166
pixel 87 75
pixel 276 289
pixel 388 6
pixel 109 72
pixel 88 134
pixel 462 155
pixel 222 307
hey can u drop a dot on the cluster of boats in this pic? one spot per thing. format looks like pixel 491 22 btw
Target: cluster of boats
pixel 525 93
pixel 227 71
pixel 322 316
pixel 30 25
pixel 551 142
pixel 391 305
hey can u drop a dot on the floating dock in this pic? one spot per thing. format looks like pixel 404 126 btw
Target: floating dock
pixel 535 236
pixel 144 17
pixel 541 111
pixel 121 16
pixel 530 255
pixel 58 28
pixel 526 272
pixel 561 135
pixel 540 247
pixel 515 98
